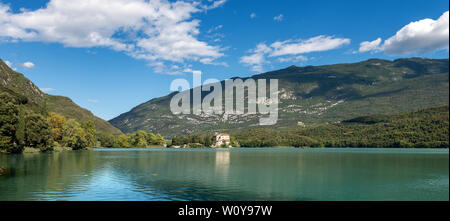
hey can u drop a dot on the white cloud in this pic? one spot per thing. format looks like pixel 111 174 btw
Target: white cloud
pixel 252 15
pixel 10 65
pixel 257 59
pixel 370 45
pixel 47 89
pixel 215 28
pixel 27 65
pixel 155 30
pixel 299 58
pixel 93 101
pixel 315 44
pixel 215 4
pixel 292 48
pixel 421 36
pixel 279 17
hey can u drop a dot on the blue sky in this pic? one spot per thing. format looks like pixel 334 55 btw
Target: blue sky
pixel 111 55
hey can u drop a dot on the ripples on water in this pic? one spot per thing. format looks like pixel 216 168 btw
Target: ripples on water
pixel 237 174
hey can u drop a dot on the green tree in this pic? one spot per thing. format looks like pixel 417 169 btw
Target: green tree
pixel 207 141
pixel 89 128
pixel 122 141
pixel 105 139
pixel 37 133
pixel 74 135
pixel 138 139
pixel 9 111
pixel 56 124
pixel 158 140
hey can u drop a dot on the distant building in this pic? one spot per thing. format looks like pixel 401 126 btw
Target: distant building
pixel 220 139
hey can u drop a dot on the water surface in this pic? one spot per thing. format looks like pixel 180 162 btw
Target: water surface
pixel 221 174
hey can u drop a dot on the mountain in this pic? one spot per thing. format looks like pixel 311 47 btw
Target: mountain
pixel 427 128
pixel 315 95
pixel 23 89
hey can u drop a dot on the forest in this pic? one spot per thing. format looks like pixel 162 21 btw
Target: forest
pixel 428 128
pixel 22 127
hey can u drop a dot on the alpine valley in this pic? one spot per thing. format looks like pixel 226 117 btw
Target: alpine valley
pixel 314 95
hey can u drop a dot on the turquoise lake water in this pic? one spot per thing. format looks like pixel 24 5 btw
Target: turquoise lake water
pixel 228 174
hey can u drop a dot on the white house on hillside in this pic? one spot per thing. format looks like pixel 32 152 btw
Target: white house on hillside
pixel 221 138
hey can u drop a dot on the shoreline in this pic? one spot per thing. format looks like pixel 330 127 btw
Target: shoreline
pixel 30 150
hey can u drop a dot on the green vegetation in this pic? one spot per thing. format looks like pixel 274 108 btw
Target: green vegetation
pixel 9 112
pixel 32 98
pixel 193 140
pixel 315 95
pixel 428 128
pixel 138 139
pixel 32 121
pixel 66 107
pixel 23 128
pixel 315 105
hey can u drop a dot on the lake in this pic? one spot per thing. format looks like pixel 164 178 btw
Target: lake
pixel 228 174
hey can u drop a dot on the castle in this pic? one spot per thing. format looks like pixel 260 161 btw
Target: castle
pixel 220 139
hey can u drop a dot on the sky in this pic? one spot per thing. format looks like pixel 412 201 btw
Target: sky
pixel 112 55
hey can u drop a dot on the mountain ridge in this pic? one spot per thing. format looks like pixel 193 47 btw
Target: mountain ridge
pixel 315 95
pixel 18 85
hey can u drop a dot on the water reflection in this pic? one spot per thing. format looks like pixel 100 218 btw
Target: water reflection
pixel 222 164
pixel 270 174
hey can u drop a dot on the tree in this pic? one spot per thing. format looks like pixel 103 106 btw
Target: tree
pixel 207 141
pixel 138 139
pixel 74 135
pixel 89 128
pixel 158 140
pixel 8 119
pixel 37 133
pixel 233 142
pixel 122 141
pixel 56 125
pixel 105 139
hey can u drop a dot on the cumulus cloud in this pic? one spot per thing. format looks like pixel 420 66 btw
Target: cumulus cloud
pixel 315 44
pixel 27 65
pixel 370 45
pixel 155 30
pixel 421 36
pixel 278 17
pixel 290 50
pixel 257 59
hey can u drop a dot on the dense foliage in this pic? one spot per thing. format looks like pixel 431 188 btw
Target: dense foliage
pixel 21 127
pixel 27 93
pixel 9 111
pixel 428 128
pixel 138 139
